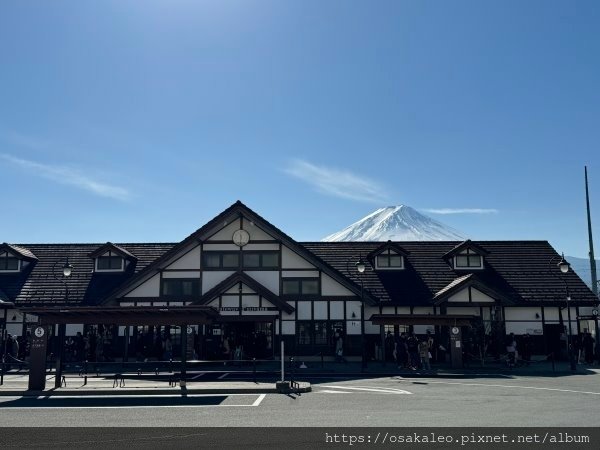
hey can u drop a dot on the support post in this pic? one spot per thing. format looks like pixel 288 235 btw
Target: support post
pixel 59 354
pixel 383 355
pixel 183 354
pixel 282 361
pixel 126 350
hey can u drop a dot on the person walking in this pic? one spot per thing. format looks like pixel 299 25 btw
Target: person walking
pixel 424 354
pixel 339 348
pixel 511 350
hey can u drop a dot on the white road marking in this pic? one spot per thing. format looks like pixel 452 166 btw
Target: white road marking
pixel 334 392
pixel 499 385
pixel 198 376
pixel 370 389
pixel 260 398
pixel 223 376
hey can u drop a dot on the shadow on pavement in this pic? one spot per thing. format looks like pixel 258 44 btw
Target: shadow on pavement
pixel 111 401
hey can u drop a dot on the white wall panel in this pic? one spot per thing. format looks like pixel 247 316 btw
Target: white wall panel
pixel 252 301
pixel 460 296
pixel 150 288
pixel 252 247
pixel 352 307
pixel 304 311
pixel 220 247
pixel 478 296
pixel 226 233
pixel 423 310
pixel 300 273
pixel 533 328
pixel 458 310
pixel 190 260
pixel 186 274
pixel 72 329
pixel 14 329
pixel 372 329
pixel 336 310
pixel 403 310
pixel 268 278
pixel 332 287
pixel 370 310
pixel 291 260
pixel 320 312
pixel 256 233
pixel 522 313
pixel 211 278
pixel 353 327
pixel 285 315
pixel 288 327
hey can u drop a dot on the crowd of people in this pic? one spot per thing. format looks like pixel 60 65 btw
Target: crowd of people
pixel 410 352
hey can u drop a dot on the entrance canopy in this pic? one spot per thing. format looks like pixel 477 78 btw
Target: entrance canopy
pixel 422 319
pixel 127 315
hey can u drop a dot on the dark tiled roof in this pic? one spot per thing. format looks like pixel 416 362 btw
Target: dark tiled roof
pixel 520 270
pixel 110 246
pixel 19 251
pixel 36 284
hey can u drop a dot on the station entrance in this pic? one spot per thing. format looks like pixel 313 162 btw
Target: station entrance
pixel 241 340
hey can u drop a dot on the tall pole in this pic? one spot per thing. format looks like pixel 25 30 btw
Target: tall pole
pixel 589 220
pixel 362 324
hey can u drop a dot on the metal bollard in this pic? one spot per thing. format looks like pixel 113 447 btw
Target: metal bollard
pixel 292 370
pixel 254 369
pixel 321 360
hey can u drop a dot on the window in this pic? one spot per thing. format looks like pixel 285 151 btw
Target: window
pixel 180 287
pixel 9 263
pixel 300 286
pixel 320 333
pixel 221 260
pixel 389 259
pixel 468 259
pixel 260 260
pixel 110 261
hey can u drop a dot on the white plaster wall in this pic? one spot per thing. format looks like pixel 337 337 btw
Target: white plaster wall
pixel 353 307
pixel 332 287
pixel 524 327
pixel 220 247
pixel 291 260
pixel 336 310
pixel 300 273
pixel 256 233
pixel 523 313
pixel 211 278
pixel 320 310
pixel 304 311
pixel 370 310
pixel 226 233
pixel 285 315
pixel 423 310
pixel 236 290
pixel 460 296
pixel 150 288
pixel 214 303
pixel 190 260
pixel 186 274
pixel 268 278
pixel 389 310
pixel 372 329
pixel 72 329
pixel 353 327
pixel 288 327
pixel 458 310
pixel 402 310
pixel 251 247
pixel 422 329
pixel 252 301
pixel 14 329
pixel 551 314
pixel 478 296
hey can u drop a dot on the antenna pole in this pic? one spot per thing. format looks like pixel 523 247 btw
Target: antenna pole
pixel 589 219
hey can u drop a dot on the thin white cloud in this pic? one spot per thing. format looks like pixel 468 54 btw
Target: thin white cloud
pixel 462 211
pixel 336 182
pixel 70 176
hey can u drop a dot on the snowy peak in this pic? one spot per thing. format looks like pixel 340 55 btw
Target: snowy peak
pixel 396 223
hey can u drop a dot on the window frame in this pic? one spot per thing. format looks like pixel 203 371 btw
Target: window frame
pixel 300 293
pixel 5 257
pixel 112 255
pixel 261 254
pixel 195 290
pixel 388 253
pixel 220 253
pixel 469 254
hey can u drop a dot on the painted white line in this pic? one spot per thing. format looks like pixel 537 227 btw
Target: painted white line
pixel 500 385
pixel 333 392
pixel 198 376
pixel 260 398
pixel 371 389
pixel 223 376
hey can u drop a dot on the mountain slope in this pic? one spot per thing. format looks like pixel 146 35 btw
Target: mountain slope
pixel 396 223
pixel 581 266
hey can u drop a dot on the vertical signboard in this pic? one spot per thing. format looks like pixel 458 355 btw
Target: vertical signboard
pixel 456 351
pixel 37 358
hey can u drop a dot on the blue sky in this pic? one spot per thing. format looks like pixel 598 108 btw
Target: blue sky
pixel 140 121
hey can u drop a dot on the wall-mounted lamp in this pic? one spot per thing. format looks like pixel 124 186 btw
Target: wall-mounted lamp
pixel 537 316
pixel 14 318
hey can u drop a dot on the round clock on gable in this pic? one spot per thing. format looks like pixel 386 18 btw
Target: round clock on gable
pixel 241 238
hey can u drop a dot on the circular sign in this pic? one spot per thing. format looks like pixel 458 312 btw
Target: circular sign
pixel 39 332
pixel 241 238
pixel 190 330
pixel 594 312
pixel 455 330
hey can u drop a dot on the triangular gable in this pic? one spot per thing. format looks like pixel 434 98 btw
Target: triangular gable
pixel 388 245
pixel 238 209
pixel 20 252
pixel 240 277
pixel 109 246
pixel 468 244
pixel 465 282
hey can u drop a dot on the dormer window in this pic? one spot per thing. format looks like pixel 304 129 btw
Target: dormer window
pixel 468 259
pixel 389 259
pixel 9 262
pixel 110 262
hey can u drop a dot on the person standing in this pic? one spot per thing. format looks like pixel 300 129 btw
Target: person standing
pixel 339 347
pixel 413 351
pixel 424 354
pixel 511 350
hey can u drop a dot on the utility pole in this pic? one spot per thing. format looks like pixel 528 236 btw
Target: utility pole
pixel 589 219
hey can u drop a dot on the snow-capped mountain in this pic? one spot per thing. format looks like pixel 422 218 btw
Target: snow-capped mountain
pixel 581 266
pixel 396 223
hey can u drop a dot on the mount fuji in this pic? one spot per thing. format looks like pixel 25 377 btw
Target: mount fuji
pixel 396 223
